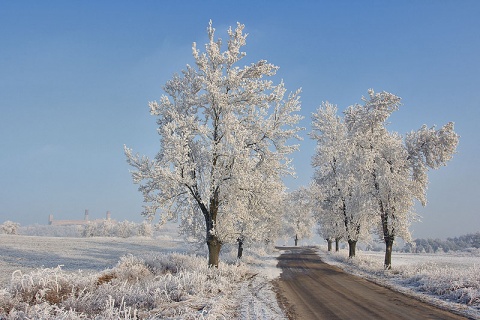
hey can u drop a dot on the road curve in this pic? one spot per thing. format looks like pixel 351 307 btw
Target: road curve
pixel 311 289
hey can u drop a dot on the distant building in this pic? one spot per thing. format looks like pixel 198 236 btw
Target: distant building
pixel 53 222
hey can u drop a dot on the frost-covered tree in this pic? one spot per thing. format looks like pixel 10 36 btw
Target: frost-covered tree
pixel 145 229
pixel 329 226
pixel 222 129
pixel 112 228
pixel 297 214
pixel 125 229
pixel 394 167
pixel 362 169
pixel 263 201
pixel 341 208
pixel 10 227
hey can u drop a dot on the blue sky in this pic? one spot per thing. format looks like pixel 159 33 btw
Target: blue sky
pixel 76 77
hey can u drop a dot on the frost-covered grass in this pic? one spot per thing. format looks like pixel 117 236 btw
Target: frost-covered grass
pixel 160 277
pixel 162 286
pixel 448 280
pixel 145 278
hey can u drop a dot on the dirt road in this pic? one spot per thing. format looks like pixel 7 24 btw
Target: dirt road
pixel 311 289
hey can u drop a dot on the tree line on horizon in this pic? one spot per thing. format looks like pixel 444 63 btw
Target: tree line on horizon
pixel 460 243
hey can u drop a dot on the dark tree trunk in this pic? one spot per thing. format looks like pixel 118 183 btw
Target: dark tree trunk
pixel 329 241
pixel 337 244
pixel 388 253
pixel 213 243
pixel 388 236
pixel 214 247
pixel 240 248
pixel 352 245
pixel 296 240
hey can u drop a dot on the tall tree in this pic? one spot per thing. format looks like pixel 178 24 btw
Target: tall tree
pixel 330 226
pixel 222 129
pixel 342 209
pixel 395 168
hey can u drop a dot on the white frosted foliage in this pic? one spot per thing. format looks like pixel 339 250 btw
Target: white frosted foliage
pixel 223 146
pixel 368 177
pixel 297 214
pixel 341 209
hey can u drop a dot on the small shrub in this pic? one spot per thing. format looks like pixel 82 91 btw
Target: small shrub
pixel 10 227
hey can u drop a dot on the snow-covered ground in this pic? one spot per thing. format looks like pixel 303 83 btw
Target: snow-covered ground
pixel 449 280
pixel 27 253
pixel 131 277
pixel 148 277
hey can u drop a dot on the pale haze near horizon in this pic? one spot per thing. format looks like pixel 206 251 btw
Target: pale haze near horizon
pixel 76 78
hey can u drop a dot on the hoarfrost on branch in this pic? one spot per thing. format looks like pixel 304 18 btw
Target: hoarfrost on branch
pixel 223 146
pixel 365 173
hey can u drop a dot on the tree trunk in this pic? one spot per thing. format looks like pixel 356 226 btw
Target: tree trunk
pixel 388 253
pixel 337 244
pixel 213 243
pixel 214 247
pixel 296 240
pixel 388 237
pixel 352 244
pixel 329 241
pixel 240 248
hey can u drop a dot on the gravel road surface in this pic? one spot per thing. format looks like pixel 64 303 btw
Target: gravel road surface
pixel 311 289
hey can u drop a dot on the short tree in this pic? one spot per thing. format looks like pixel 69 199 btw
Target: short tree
pixel 222 128
pixel 145 229
pixel 125 229
pixel 10 227
pixel 297 212
pixel 263 201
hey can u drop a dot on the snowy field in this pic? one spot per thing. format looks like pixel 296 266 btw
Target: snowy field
pixel 112 278
pixel 28 253
pixel 450 281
